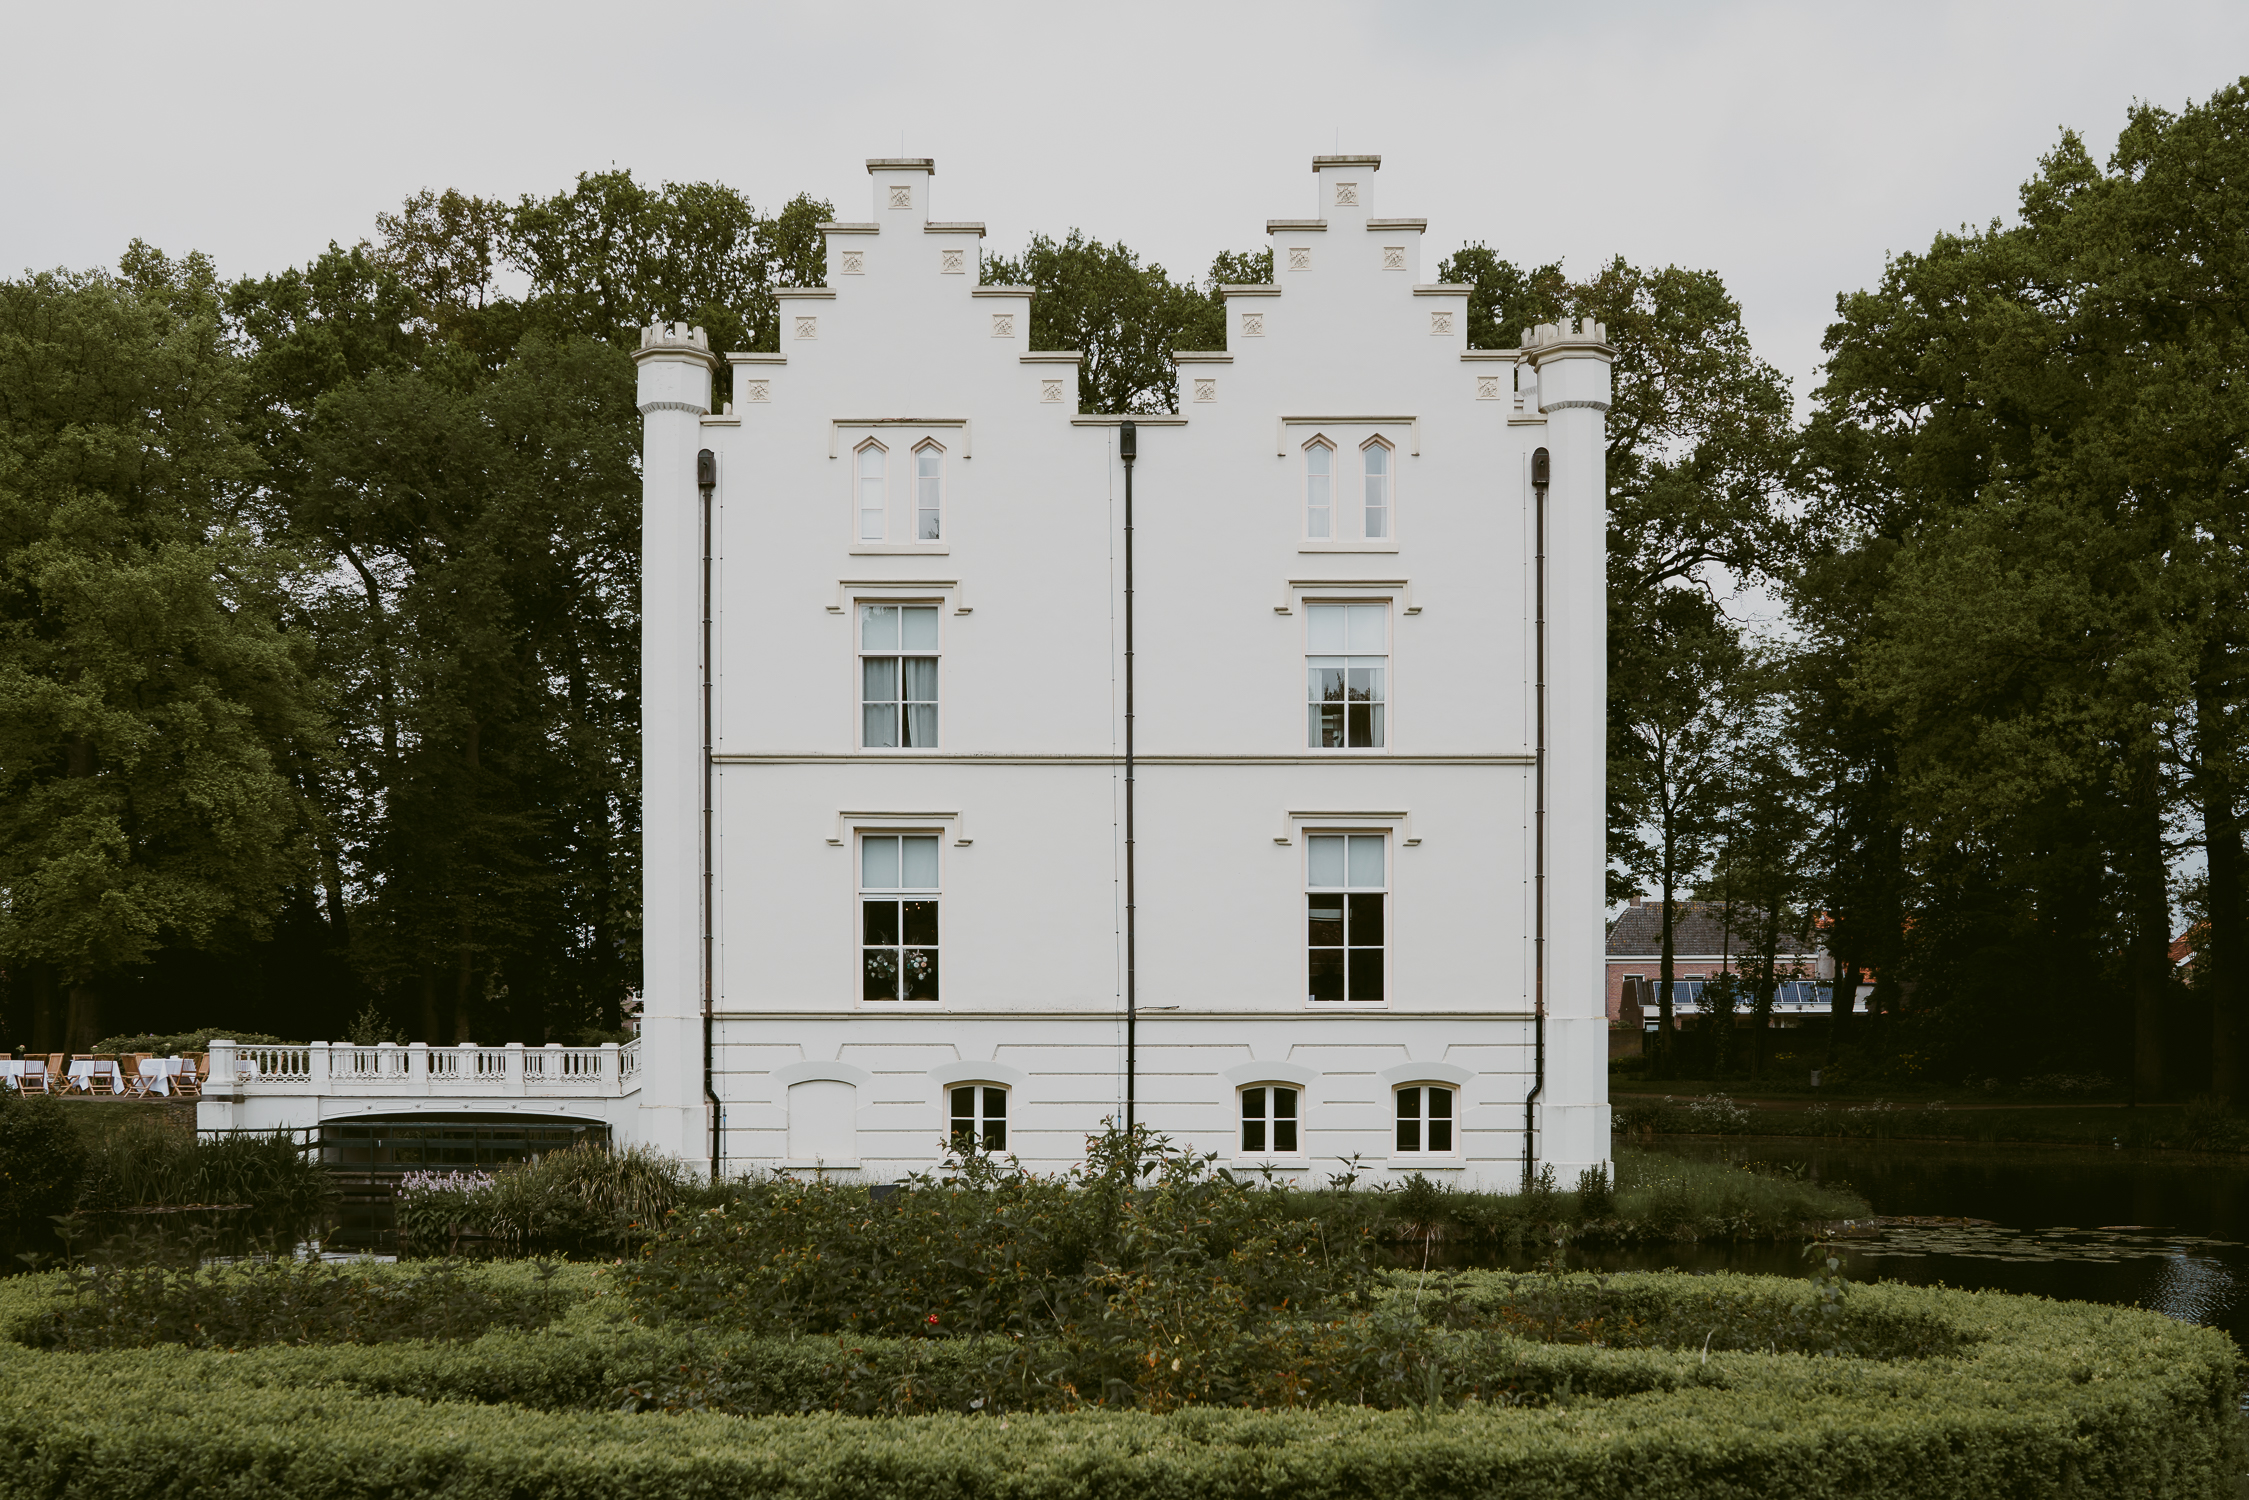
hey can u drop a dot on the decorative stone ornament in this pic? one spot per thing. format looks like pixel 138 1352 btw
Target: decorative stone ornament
pixel 808 328
pixel 952 262
pixel 1346 195
pixel 1206 390
pixel 901 195
pixel 1440 324
pixel 1003 325
pixel 1487 388
pixel 854 263
pixel 1050 391
pixel 1300 257
pixel 1253 325
pixel 1393 257
pixel 757 392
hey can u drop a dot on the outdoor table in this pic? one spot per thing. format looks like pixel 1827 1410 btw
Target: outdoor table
pixel 158 1072
pixel 11 1069
pixel 83 1072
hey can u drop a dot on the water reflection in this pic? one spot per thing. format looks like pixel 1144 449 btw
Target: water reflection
pixel 2133 1229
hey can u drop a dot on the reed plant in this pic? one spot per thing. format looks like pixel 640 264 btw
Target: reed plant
pixel 585 1197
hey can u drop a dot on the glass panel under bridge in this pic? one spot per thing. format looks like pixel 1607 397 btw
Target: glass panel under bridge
pixel 370 1153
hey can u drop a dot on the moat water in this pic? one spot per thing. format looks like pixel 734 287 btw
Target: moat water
pixel 2157 1230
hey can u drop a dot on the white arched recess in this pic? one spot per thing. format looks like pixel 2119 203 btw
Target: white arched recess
pixel 822 1100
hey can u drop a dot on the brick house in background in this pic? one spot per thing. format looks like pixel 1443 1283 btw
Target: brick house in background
pixel 1700 947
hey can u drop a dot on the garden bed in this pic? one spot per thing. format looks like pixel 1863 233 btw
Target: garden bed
pixel 1921 1393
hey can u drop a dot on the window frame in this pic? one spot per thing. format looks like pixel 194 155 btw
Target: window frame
pixel 981 1092
pixel 860 655
pixel 1387 919
pixel 1388 701
pixel 1268 1121
pixel 931 447
pixel 1318 443
pixel 1423 1118
pixel 862 892
pixel 1389 506
pixel 859 511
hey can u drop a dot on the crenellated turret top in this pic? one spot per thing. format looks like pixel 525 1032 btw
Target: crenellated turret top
pixel 1568 331
pixel 660 335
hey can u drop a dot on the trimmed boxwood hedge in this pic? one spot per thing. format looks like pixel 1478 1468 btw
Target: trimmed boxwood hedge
pixel 2035 1398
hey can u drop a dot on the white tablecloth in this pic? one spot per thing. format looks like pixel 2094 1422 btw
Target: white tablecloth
pixel 83 1072
pixel 10 1070
pixel 160 1071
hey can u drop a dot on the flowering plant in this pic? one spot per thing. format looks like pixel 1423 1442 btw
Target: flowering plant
pixel 443 1182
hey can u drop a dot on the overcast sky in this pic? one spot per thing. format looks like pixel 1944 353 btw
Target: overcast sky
pixel 1787 146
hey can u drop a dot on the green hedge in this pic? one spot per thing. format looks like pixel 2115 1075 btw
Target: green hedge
pixel 2037 1398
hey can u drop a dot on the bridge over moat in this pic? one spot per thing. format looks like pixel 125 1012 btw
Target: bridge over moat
pixel 314 1085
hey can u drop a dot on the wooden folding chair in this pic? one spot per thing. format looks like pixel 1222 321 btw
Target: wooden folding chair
pixel 33 1078
pixel 189 1079
pixel 100 1081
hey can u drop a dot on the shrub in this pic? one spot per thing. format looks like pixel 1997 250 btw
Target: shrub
pixel 371 1028
pixel 988 1247
pixel 1716 1114
pixel 281 1302
pixel 1879 1120
pixel 1943 1395
pixel 1698 1200
pixel 2211 1126
pixel 2067 1086
pixel 1711 1114
pixel 42 1162
pixel 1596 1195
pixel 188 1041
pixel 1671 1198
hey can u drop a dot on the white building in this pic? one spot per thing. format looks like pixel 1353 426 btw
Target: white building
pixel 904 805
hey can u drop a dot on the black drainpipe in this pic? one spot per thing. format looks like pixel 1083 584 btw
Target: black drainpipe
pixel 1128 449
pixel 706 480
pixel 1539 472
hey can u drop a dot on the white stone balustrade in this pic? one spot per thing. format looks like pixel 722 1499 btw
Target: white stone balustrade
pixel 418 1070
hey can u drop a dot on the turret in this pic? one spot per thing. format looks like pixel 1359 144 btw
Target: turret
pixel 1572 361
pixel 675 367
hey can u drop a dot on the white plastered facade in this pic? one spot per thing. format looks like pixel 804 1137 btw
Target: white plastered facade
pixel 1024 789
